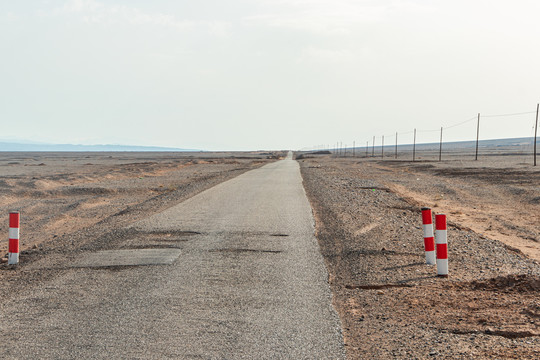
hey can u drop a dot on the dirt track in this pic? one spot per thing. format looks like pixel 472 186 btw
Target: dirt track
pixel 391 304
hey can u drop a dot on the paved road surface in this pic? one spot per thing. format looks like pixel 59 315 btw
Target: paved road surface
pixel 250 285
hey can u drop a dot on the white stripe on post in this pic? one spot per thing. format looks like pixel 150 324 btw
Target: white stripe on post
pixel 13 233
pixel 429 241
pixel 13 252
pixel 442 245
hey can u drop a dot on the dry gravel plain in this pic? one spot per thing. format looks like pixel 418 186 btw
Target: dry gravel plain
pixel 368 225
pixel 391 304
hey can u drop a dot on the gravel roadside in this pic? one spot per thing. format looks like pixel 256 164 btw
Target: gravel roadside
pixel 391 304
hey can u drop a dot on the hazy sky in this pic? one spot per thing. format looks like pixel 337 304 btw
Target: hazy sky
pixel 265 74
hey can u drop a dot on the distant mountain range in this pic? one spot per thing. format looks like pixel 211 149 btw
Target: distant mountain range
pixel 30 146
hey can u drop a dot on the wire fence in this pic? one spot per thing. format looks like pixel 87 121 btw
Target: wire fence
pixel 447 141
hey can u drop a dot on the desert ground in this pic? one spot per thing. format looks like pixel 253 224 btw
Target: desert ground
pixel 368 224
pixel 391 304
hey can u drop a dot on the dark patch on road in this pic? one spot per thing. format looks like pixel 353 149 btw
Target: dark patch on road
pixel 150 246
pixel 232 250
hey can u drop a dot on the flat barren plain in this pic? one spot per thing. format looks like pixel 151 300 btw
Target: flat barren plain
pixel 80 201
pixel 392 305
pixel 368 225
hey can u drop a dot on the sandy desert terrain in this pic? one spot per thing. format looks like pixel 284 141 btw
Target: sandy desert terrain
pixel 391 304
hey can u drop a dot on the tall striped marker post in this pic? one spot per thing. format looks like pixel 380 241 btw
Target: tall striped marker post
pixel 13 252
pixel 442 245
pixel 429 240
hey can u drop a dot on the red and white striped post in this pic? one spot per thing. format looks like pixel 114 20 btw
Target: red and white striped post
pixel 13 252
pixel 429 240
pixel 442 245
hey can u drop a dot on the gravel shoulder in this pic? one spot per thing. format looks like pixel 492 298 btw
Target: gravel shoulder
pixel 391 304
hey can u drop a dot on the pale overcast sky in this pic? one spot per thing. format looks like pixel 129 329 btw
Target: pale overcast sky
pixel 265 74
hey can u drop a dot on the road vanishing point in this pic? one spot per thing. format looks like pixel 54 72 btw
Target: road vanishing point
pixel 246 282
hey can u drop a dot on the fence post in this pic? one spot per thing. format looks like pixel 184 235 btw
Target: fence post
pixel 477 136
pixel 535 132
pixel 440 147
pixel 396 144
pixel 414 146
pixel 373 148
pixel 353 143
pixel 382 148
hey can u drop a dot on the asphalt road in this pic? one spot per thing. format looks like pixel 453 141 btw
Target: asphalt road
pixel 248 283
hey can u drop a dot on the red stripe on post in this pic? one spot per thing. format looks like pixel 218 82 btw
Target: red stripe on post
pixel 429 244
pixel 440 222
pixel 13 245
pixel 426 216
pixel 442 251
pixel 14 219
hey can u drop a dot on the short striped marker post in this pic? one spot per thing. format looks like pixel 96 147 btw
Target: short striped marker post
pixel 13 252
pixel 442 245
pixel 429 240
